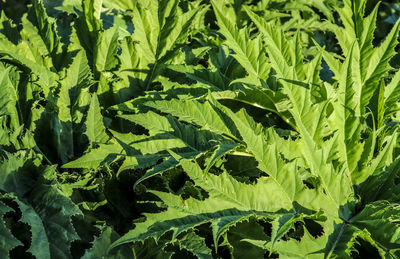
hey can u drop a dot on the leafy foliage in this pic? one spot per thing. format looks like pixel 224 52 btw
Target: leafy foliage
pixel 199 129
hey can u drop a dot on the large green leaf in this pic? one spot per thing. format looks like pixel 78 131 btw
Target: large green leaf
pixel 202 114
pixel 104 154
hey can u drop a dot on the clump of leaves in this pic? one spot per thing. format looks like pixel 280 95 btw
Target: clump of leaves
pixel 198 129
pixel 327 169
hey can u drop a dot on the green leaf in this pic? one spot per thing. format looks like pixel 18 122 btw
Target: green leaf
pixel 380 186
pixel 222 149
pixel 270 162
pixel 202 114
pixel 341 242
pixel 92 10
pixel 307 247
pixel 383 159
pixel 47 30
pixel 56 211
pixel 250 53
pixel 104 154
pixel 392 95
pixel 120 4
pixel 195 244
pixel 281 225
pixel 380 219
pixel 242 231
pixel 101 243
pixel 142 144
pixel 95 130
pixel 63 128
pixel 221 225
pixel 348 113
pixel 160 26
pixel 152 121
pixel 168 134
pixel 47 77
pixel 379 61
pixel 150 249
pixel 176 221
pixel 157 169
pixel 106 50
pixel 8 99
pixel 17 173
pixel 264 99
pixel 8 30
pixel 46 210
pixel 39 246
pixel 77 80
pixel 88 29
pixel 7 240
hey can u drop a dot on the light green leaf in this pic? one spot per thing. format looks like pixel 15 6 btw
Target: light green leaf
pixel 195 244
pixel 8 99
pixel 250 53
pixel 104 154
pixel 77 80
pixel 152 121
pixel 106 50
pixel 392 95
pixel 46 76
pixel 202 114
pixel 384 158
pixel 47 31
pixel 95 130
